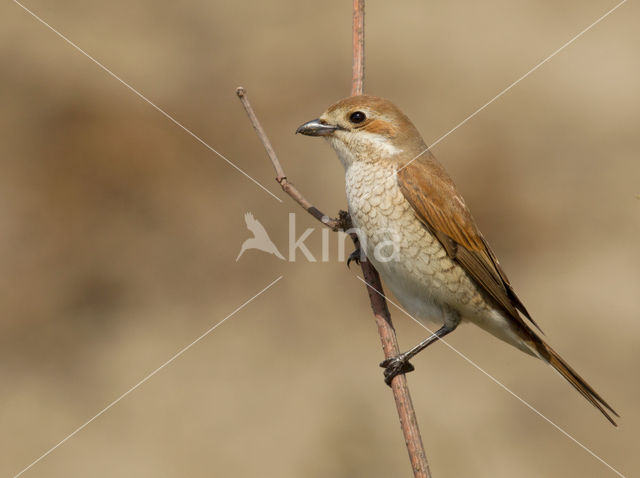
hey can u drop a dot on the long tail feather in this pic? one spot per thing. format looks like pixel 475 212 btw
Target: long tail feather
pixel 552 357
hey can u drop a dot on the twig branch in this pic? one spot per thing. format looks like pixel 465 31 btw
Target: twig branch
pixel 406 412
pixel 386 331
pixel 357 76
pixel 281 177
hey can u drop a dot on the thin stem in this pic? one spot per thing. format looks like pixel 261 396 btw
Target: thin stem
pixel 281 177
pixel 404 405
pixel 357 78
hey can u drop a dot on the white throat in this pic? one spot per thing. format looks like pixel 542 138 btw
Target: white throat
pixel 363 146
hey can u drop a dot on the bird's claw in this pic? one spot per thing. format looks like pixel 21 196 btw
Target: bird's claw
pixel 395 366
pixel 355 257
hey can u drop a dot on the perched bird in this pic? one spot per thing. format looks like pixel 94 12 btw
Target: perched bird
pixel 260 239
pixel 416 230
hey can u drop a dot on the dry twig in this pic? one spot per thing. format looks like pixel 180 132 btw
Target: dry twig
pixel 357 76
pixel 281 178
pixel 386 331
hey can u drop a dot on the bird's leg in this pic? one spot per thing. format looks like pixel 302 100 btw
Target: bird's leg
pixel 355 256
pixel 400 363
pixel 346 225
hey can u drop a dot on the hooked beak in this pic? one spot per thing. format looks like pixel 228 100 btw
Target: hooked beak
pixel 317 127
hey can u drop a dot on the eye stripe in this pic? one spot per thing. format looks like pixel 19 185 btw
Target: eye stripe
pixel 381 127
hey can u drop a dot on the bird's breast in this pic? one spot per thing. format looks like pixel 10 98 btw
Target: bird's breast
pixel 409 258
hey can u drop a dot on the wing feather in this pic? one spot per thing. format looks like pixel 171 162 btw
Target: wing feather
pixel 436 202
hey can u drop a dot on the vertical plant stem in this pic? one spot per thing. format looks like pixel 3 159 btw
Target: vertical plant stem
pixel 406 412
pixel 357 77
pixel 386 331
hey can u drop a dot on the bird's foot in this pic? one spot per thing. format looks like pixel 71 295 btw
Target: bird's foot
pixel 395 366
pixel 355 256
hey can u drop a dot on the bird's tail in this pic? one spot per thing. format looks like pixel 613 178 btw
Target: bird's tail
pixel 551 356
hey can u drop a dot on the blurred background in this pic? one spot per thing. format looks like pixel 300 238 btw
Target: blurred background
pixel 119 234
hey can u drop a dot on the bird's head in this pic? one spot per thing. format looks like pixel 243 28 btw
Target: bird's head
pixel 367 128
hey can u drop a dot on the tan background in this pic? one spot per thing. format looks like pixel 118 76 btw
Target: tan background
pixel 119 233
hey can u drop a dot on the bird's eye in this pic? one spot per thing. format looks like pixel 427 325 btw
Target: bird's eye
pixel 357 117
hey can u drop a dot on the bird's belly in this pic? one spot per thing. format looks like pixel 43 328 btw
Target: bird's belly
pixel 411 261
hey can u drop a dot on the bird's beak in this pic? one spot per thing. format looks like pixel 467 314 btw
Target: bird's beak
pixel 317 127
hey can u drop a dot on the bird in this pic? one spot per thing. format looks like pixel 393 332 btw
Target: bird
pixel 417 231
pixel 260 239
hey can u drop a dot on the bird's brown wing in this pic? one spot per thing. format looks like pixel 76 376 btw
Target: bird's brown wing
pixel 433 196
pixel 436 202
